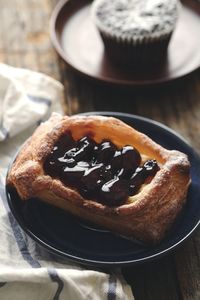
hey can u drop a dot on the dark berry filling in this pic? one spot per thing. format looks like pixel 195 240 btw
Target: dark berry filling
pixel 99 171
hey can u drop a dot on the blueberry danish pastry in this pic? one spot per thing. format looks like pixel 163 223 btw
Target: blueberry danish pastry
pixel 102 170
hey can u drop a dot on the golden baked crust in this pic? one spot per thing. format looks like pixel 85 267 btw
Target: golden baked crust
pixel 145 216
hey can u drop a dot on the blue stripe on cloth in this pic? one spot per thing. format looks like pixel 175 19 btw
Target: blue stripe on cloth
pixel 2 284
pixel 18 234
pixel 21 243
pixel 24 250
pixel 55 278
pixel 112 284
pixel 39 100
pixel 4 132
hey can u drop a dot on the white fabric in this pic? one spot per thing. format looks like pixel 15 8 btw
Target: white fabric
pixel 27 271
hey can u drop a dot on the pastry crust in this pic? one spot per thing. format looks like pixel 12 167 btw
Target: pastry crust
pixel 145 216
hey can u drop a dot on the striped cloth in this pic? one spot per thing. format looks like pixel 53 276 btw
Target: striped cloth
pixel 27 271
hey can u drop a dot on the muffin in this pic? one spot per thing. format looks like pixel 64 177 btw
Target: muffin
pixel 135 32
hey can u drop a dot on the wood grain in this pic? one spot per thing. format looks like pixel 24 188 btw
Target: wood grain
pixel 25 42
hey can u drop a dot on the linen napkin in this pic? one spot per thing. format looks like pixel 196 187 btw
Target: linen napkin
pixel 27 271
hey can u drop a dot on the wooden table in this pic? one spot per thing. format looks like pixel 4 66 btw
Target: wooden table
pixel 25 42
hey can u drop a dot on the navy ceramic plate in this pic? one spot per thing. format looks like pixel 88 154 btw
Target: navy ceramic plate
pixel 79 241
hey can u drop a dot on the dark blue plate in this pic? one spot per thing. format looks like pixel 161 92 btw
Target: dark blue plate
pixel 85 243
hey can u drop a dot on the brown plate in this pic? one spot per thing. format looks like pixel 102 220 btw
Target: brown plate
pixel 78 42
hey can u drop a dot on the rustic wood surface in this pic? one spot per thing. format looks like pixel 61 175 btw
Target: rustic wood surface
pixel 25 42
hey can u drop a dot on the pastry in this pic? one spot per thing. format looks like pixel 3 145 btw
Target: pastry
pixel 102 170
pixel 135 32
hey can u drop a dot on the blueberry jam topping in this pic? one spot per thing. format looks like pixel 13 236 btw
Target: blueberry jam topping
pixel 99 171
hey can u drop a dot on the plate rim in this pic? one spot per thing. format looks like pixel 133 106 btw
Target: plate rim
pixel 93 262
pixel 106 80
